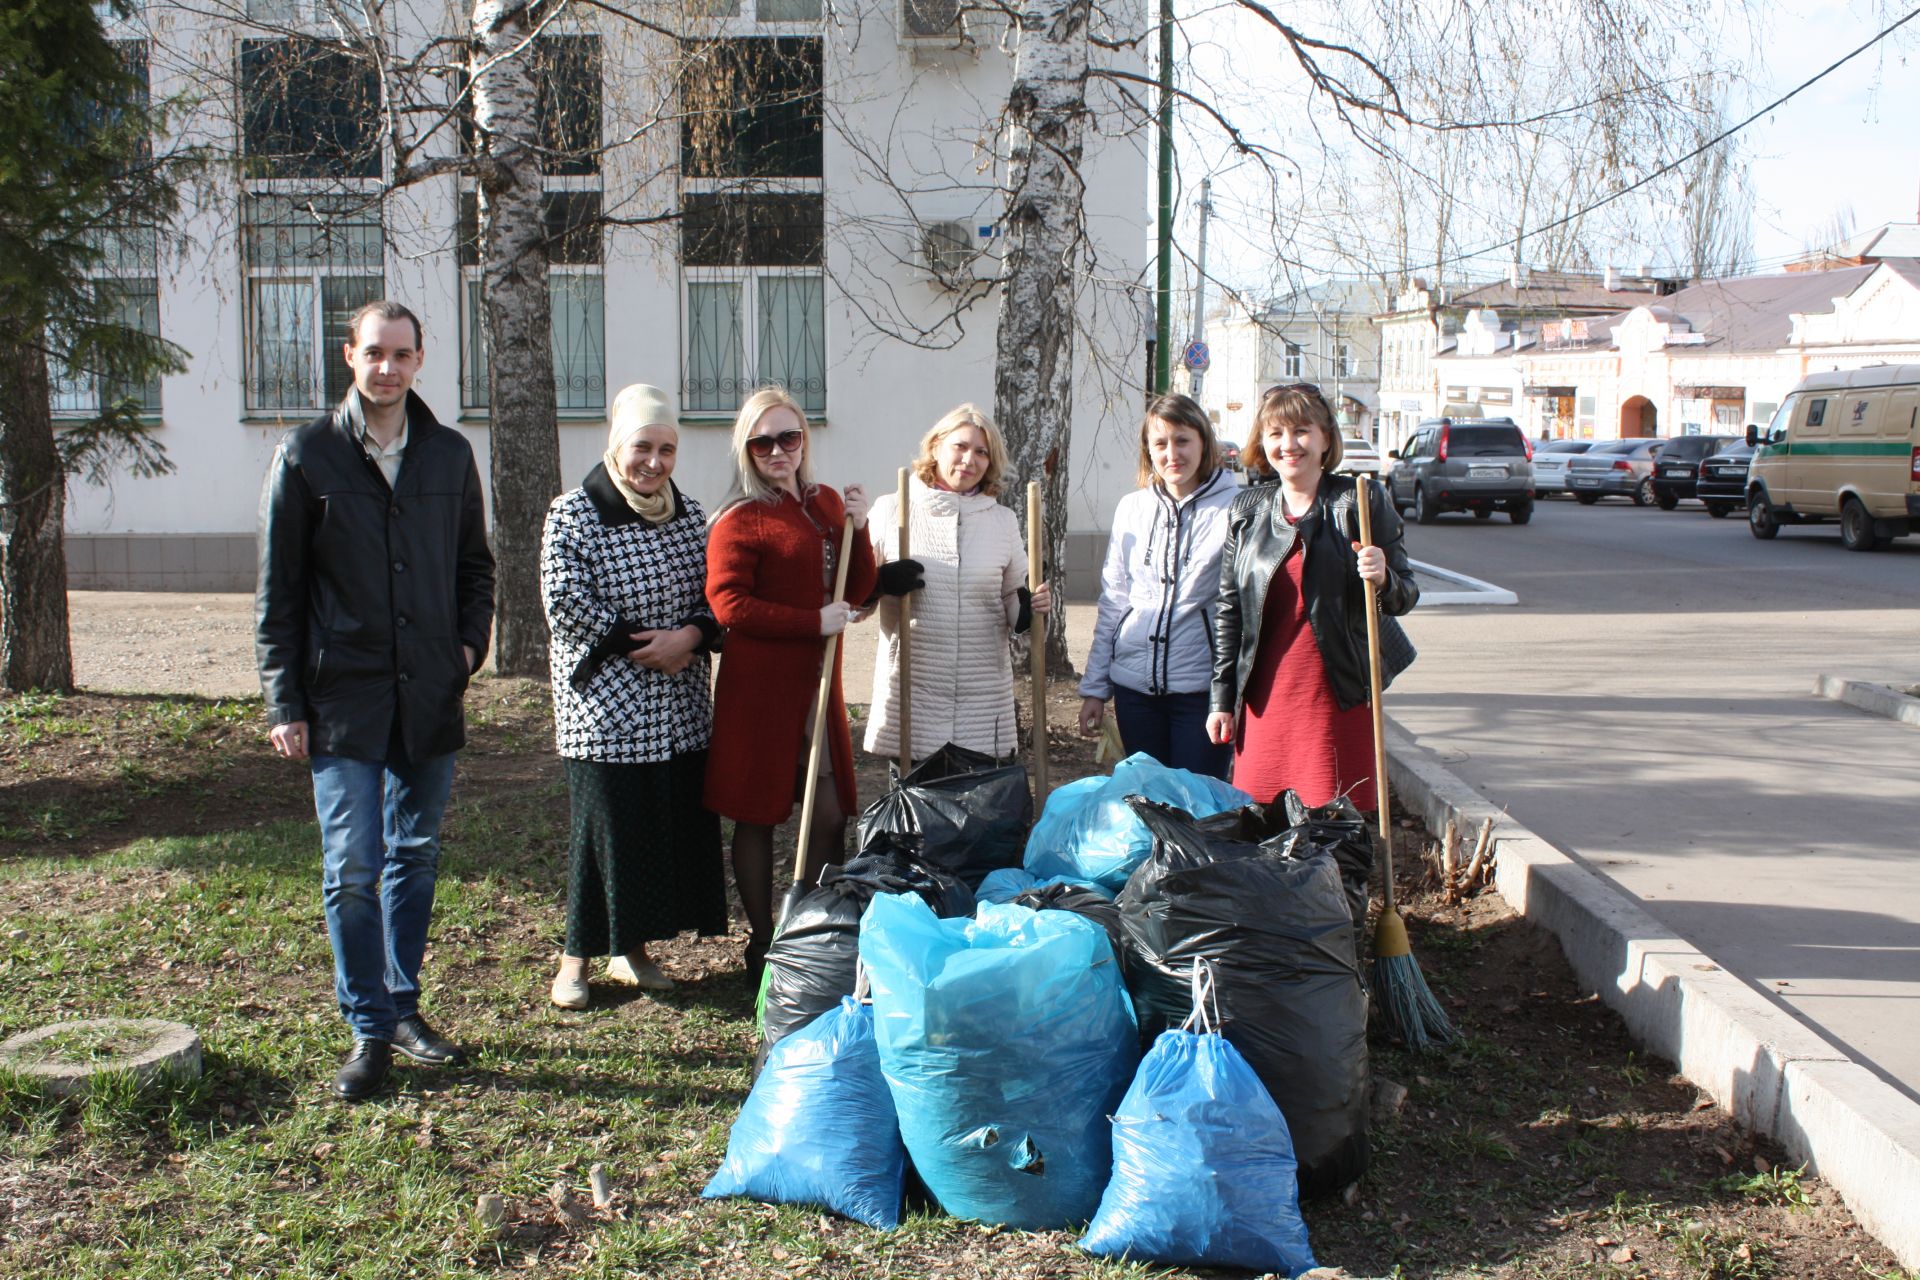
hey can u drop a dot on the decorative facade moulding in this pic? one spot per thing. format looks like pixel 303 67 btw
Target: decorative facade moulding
pixel 1710 393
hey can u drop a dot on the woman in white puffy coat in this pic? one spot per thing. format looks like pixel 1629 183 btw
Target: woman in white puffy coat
pixel 1153 639
pixel 967 572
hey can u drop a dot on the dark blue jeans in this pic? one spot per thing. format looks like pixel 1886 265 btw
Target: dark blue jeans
pixel 1172 728
pixel 380 854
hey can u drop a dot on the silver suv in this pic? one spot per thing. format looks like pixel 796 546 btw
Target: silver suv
pixel 1480 465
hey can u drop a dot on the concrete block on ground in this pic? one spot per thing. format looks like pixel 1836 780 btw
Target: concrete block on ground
pixel 1862 1136
pixel 1879 699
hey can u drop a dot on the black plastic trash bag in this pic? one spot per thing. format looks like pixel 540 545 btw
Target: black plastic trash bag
pixel 1083 900
pixel 813 959
pixel 966 811
pixel 1278 933
pixel 1343 831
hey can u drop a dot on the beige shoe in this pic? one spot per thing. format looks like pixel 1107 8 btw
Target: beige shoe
pixel 646 974
pixel 570 992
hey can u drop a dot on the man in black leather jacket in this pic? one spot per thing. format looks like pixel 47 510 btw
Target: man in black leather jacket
pixel 374 607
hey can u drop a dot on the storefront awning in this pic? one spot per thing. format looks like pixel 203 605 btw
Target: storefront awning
pixel 1550 392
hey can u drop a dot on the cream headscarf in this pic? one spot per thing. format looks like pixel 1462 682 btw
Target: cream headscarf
pixel 635 408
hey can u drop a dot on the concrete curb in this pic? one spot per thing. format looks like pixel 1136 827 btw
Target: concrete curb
pixel 1755 1059
pixel 1880 699
pixel 1473 591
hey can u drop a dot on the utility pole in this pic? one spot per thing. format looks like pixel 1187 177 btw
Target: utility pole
pixel 1163 274
pixel 1198 330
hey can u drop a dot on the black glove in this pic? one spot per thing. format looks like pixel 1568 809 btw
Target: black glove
pixel 898 577
pixel 1024 621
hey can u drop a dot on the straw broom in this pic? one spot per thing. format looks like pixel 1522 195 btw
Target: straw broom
pixel 1411 1012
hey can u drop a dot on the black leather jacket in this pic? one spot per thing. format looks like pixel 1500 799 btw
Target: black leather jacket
pixel 1259 538
pixel 366 594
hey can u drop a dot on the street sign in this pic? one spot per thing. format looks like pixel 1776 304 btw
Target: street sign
pixel 1196 357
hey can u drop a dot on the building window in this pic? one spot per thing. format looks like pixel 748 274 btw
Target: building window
pixel 308 110
pixel 1343 359
pixel 752 231
pixel 568 83
pixel 125 276
pixel 311 262
pixel 576 294
pixel 1291 366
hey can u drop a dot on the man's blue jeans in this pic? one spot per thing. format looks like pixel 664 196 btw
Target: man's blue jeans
pixel 380 853
pixel 1172 728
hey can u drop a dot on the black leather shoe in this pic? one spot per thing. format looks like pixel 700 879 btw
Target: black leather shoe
pixel 413 1037
pixel 364 1071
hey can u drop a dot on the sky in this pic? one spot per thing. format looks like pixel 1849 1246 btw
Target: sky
pixel 1848 144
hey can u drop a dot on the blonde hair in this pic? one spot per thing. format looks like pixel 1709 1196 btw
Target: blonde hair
pixel 1296 404
pixel 748 485
pixel 1179 411
pixel 927 469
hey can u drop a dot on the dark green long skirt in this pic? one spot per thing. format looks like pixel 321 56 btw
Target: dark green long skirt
pixel 645 858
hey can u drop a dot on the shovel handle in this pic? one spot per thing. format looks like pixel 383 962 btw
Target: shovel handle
pixel 906 640
pixel 1037 642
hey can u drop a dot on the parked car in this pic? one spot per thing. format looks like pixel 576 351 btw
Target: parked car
pixel 1469 464
pixel 1359 458
pixel 1723 479
pixel 1550 459
pixel 1229 453
pixel 1678 470
pixel 1844 444
pixel 1620 468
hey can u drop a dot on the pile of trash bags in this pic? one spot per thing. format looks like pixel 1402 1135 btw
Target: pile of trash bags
pixel 1150 1022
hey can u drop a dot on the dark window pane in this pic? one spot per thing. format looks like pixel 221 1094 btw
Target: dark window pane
pixel 306 233
pixel 138 305
pixel 567 76
pixel 340 297
pixel 752 109
pixel 573 228
pixel 752 230
pixel 307 111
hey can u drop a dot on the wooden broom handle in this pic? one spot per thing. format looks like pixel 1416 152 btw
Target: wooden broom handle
pixel 811 786
pixel 1363 505
pixel 1037 643
pixel 905 640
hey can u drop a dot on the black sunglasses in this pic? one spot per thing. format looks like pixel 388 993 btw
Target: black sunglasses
pixel 762 446
pixel 1306 387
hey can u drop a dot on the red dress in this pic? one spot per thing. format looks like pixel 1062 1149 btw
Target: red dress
pixel 766 581
pixel 1293 733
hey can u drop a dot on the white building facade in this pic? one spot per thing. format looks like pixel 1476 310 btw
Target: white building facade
pixel 848 261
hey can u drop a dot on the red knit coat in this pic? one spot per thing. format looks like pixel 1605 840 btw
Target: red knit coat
pixel 766 583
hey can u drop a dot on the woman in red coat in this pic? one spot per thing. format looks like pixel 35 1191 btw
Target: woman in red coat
pixel 770 571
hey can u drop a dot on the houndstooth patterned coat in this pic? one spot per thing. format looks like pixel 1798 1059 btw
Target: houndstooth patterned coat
pixel 605 573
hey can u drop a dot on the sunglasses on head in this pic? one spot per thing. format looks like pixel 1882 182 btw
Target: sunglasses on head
pixel 1307 388
pixel 762 446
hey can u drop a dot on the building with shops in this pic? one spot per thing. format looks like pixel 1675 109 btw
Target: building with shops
pixel 848 256
pixel 1426 324
pixel 1708 359
pixel 1323 334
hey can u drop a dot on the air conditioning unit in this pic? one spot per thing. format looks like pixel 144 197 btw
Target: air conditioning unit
pixel 947 250
pixel 932 22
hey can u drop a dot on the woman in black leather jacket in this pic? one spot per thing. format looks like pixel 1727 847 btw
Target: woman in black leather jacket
pixel 1290 631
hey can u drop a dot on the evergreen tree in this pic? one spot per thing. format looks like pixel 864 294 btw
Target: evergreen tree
pixel 77 170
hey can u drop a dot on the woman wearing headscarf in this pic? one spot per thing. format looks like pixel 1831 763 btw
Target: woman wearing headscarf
pixel 623 577
pixel 771 563
pixel 967 574
pixel 1290 682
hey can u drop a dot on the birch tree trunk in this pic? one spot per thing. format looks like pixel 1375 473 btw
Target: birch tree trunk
pixel 36 651
pixel 520 393
pixel 1034 348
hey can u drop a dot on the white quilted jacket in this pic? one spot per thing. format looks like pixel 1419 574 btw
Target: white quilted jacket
pixel 975 564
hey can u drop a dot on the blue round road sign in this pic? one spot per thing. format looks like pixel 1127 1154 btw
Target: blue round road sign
pixel 1196 357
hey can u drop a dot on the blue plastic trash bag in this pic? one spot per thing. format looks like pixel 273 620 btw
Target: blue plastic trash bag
pixel 1203 1169
pixel 1007 1040
pixel 1087 832
pixel 819 1127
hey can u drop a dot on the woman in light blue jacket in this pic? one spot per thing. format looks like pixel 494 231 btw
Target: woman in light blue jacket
pixel 1153 641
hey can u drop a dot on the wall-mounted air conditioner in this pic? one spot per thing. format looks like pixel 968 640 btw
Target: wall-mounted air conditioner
pixel 938 23
pixel 948 253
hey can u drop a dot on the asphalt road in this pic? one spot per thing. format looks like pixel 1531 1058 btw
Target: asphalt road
pixel 1647 708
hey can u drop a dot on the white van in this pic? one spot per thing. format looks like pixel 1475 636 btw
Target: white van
pixel 1846 446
